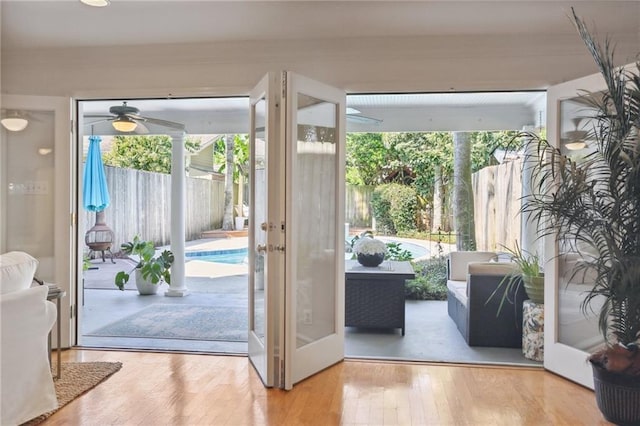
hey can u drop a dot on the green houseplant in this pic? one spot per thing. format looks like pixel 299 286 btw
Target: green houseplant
pixel 592 205
pixel 151 270
pixel 529 273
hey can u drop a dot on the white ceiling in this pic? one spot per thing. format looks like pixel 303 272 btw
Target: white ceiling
pixel 27 24
pixel 68 23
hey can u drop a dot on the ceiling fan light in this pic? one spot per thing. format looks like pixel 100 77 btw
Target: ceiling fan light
pixel 124 124
pixel 14 124
pixel 575 145
pixel 96 3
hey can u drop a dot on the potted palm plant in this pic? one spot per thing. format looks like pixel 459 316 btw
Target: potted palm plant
pixel 592 205
pixel 151 270
pixel 529 273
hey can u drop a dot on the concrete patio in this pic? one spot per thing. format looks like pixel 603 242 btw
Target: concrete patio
pixel 430 336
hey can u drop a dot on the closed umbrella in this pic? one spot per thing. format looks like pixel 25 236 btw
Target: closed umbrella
pixel 95 193
pixel 95 198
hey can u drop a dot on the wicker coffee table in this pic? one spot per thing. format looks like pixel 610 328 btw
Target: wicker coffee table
pixel 374 297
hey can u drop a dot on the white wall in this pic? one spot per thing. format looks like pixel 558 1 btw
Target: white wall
pixel 358 65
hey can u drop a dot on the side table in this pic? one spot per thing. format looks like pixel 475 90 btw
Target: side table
pixel 56 294
pixel 374 296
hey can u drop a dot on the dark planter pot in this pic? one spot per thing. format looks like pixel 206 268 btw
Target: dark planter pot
pixel 618 396
pixel 370 260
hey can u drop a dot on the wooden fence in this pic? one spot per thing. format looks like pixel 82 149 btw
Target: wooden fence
pixel 497 191
pixel 141 205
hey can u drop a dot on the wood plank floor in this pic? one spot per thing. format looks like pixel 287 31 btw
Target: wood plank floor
pixel 184 389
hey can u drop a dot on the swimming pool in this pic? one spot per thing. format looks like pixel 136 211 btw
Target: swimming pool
pixel 232 256
pixel 416 250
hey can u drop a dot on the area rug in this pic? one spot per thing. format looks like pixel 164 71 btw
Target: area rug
pixel 77 378
pixel 183 322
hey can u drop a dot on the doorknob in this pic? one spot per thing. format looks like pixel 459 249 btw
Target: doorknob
pixel 261 248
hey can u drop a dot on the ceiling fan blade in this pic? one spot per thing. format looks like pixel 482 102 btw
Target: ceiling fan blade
pixel 141 129
pixel 99 116
pixel 357 118
pixel 159 122
pixel 91 123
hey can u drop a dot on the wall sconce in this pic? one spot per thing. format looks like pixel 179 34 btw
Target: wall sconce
pixel 14 122
pixel 124 124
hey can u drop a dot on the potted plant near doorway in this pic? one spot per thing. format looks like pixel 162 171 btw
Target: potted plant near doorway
pixel 592 205
pixel 528 272
pixel 151 269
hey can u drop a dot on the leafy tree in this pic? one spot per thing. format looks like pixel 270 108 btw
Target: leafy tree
pixel 366 157
pixel 231 154
pixel 148 153
pixel 240 155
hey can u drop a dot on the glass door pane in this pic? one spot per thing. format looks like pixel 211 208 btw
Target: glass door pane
pixel 569 334
pixel 314 295
pixel 264 234
pixel 314 183
pixel 36 192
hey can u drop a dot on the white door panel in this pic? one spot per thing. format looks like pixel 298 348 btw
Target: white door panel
pixel 296 229
pixel 570 335
pixel 36 193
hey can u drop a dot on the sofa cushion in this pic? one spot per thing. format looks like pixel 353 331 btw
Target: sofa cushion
pixel 491 269
pixel 459 261
pixel 16 271
pixel 459 290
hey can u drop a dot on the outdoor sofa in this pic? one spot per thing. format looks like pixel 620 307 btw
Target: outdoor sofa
pixel 473 276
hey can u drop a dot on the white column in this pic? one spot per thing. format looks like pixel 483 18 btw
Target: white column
pixel 178 287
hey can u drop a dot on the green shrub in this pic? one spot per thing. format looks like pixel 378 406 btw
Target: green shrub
pixel 430 282
pixel 381 207
pixel 396 252
pixel 395 207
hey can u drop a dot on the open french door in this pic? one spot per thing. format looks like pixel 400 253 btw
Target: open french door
pixel 296 286
pixel 570 335
pixel 36 188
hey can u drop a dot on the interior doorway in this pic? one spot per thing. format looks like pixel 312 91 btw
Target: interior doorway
pixel 138 167
pixel 366 114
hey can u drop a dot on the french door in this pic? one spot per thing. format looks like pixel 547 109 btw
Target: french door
pixel 296 286
pixel 569 334
pixel 36 187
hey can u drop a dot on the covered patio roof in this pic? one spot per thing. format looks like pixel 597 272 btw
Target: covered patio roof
pixel 392 112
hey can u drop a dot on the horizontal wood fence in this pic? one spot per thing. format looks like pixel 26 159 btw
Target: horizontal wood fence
pixel 141 205
pixel 497 192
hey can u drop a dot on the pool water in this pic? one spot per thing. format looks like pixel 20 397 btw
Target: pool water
pixel 416 250
pixel 232 256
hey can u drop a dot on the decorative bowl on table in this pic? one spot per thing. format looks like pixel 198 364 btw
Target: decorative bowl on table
pixel 370 251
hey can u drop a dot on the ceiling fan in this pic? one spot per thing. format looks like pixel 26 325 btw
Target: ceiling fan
pixel 125 118
pixel 575 139
pixel 354 116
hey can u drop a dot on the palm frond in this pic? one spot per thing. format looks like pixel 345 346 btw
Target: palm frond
pixel 593 204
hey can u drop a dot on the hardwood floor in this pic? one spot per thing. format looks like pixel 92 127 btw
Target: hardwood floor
pixel 182 389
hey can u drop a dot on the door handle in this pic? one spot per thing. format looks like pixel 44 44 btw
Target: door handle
pixel 261 248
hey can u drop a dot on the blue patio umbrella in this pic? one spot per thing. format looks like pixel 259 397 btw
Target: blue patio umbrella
pixel 95 193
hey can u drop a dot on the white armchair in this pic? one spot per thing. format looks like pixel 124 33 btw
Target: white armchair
pixel 26 317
